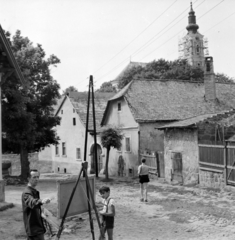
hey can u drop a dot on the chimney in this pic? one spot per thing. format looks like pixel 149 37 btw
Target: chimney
pixel 209 80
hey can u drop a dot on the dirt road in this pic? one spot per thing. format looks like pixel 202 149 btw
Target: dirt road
pixel 173 212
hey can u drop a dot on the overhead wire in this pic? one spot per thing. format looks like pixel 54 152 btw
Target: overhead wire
pixel 179 32
pixel 145 44
pixel 141 48
pixel 136 37
pixel 207 30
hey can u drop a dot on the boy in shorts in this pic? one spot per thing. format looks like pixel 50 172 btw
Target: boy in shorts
pixel 108 212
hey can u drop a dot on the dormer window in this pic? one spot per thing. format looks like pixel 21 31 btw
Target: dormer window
pixel 119 106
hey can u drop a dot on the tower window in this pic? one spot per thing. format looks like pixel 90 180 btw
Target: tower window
pixel 74 121
pixel 197 49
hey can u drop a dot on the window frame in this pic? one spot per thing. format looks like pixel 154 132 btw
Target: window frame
pixel 57 150
pixel 126 150
pixel 64 149
pixel 78 158
pixel 119 106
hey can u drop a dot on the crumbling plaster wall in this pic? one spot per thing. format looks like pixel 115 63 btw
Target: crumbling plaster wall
pixel 150 138
pixel 186 142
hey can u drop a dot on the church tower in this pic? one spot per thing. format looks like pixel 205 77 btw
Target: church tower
pixel 193 46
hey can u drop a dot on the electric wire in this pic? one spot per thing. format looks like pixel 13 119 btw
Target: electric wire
pixel 207 30
pixel 141 48
pixel 146 43
pixel 179 32
pixel 136 37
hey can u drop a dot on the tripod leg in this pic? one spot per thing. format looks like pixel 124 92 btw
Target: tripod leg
pixel 67 208
pixel 89 208
pixel 93 202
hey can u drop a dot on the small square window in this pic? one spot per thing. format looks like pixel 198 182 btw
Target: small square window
pixel 119 107
pixel 128 144
pixel 78 153
pixel 74 121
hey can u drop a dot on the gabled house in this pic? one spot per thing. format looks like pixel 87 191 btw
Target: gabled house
pixel 68 154
pixel 143 106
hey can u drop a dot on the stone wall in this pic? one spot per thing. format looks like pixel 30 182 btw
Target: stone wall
pixel 42 166
pixel 184 141
pixel 211 179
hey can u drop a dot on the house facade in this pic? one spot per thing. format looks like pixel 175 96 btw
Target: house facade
pixel 68 155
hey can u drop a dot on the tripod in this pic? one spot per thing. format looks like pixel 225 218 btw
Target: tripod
pixel 89 195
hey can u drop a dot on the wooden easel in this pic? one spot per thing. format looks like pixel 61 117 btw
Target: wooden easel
pixel 84 171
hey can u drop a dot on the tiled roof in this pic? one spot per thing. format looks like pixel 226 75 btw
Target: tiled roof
pixel 169 100
pixel 219 118
pixel 79 101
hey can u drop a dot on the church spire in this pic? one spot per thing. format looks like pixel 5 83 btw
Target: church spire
pixel 192 26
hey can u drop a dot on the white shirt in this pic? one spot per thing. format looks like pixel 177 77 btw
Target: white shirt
pixel 143 169
pixel 109 203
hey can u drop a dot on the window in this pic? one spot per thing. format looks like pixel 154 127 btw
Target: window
pixel 63 149
pixel 61 111
pixel 119 106
pixel 56 150
pixel 128 144
pixel 73 110
pixel 74 121
pixel 78 153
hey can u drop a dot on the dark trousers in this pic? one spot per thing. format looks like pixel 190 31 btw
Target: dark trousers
pixel 38 237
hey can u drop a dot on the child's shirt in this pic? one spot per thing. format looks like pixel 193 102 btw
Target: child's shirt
pixel 108 203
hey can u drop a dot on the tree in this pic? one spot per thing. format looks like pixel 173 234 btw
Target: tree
pixel 28 114
pixel 70 89
pixel 162 69
pixel 223 78
pixel 107 87
pixel 110 137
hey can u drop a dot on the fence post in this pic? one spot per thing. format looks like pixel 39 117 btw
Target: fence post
pixel 225 162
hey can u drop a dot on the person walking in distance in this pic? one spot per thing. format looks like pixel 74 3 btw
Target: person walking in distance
pixel 108 212
pixel 143 172
pixel 31 204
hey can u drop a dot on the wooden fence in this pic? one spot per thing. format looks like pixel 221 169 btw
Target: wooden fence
pixel 218 158
pixel 151 160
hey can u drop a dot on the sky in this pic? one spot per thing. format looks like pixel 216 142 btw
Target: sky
pixel 100 37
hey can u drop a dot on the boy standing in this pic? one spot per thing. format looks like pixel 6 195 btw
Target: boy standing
pixel 143 171
pixel 108 212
